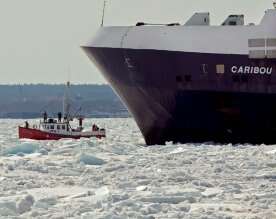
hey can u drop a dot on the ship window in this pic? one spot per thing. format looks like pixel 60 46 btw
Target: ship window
pixel 204 68
pixel 63 127
pixel 188 78
pixel 52 127
pixel 232 23
pixel 271 54
pixel 178 78
pixel 244 78
pixel 256 42
pixel 236 78
pixel 257 54
pixel 220 69
pixel 58 127
pixel 271 42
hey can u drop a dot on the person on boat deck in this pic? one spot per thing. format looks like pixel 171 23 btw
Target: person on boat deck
pixel 80 121
pixel 95 127
pixel 26 124
pixel 59 116
pixel 45 116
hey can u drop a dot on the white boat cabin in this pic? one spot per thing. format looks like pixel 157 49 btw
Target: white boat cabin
pixel 58 126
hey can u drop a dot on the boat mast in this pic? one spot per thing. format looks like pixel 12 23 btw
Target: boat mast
pixel 66 103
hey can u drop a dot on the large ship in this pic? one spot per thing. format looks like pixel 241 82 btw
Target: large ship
pixel 194 82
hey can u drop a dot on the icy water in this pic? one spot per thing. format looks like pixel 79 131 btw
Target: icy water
pixel 120 178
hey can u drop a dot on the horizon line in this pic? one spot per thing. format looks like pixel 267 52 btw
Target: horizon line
pixel 53 84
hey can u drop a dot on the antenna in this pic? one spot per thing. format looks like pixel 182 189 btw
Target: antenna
pixel 103 13
pixel 69 73
pixel 66 103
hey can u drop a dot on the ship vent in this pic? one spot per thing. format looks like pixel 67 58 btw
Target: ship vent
pixel 234 20
pixel 199 19
pixel 262 48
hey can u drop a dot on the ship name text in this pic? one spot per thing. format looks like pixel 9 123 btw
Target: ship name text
pixel 251 70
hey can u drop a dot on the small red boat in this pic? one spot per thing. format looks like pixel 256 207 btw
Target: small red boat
pixel 55 129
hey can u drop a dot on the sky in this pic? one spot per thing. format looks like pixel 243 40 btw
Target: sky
pixel 40 39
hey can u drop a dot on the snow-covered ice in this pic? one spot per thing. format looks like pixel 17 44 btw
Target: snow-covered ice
pixel 120 178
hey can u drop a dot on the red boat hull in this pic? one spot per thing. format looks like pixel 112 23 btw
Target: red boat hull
pixel 36 134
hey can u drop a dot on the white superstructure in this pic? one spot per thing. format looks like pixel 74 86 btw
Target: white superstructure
pixel 256 40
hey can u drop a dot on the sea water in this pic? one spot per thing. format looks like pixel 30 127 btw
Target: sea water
pixel 118 177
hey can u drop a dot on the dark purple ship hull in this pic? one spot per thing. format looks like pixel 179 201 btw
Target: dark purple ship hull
pixel 180 97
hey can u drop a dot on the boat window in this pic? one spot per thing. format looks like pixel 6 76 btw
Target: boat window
pixel 63 127
pixel 52 127
pixel 58 127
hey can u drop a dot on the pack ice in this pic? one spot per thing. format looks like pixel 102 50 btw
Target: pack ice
pixel 118 177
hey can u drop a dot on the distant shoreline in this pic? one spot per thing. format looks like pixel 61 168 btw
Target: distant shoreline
pixel 30 100
pixel 53 84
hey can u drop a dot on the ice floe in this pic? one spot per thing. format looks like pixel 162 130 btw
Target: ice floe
pixel 118 178
pixel 24 148
pixel 88 159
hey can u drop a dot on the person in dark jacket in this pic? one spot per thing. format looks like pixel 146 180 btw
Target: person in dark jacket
pixel 59 116
pixel 45 116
